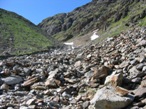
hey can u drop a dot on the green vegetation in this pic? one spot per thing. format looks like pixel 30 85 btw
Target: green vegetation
pixel 115 28
pixel 111 18
pixel 20 36
pixel 142 22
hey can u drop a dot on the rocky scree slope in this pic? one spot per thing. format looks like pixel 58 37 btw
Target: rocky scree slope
pixel 20 36
pixel 108 75
pixel 109 16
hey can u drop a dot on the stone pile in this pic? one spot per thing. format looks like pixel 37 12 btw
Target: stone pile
pixel 108 75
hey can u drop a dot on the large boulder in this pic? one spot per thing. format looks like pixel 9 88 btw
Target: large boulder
pixel 110 97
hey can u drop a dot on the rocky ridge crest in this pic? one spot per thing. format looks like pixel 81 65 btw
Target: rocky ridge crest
pixel 104 15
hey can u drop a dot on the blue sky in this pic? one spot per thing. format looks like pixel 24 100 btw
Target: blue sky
pixel 37 10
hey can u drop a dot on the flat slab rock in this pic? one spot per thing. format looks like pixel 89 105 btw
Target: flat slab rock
pixel 107 98
pixel 12 80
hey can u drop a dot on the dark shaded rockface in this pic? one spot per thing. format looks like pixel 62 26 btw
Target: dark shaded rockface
pixel 99 14
pixel 20 36
pixel 114 69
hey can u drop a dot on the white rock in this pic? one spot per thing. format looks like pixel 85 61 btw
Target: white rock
pixel 144 69
pixel 77 64
pixel 10 108
pixel 30 101
pixel 89 56
pixel 23 107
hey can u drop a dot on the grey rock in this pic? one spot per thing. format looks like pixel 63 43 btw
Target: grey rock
pixel 54 104
pixel 144 69
pixel 107 97
pixel 116 78
pixel 27 71
pixel 143 30
pixel 88 74
pixel 17 87
pixel 30 101
pixel 136 80
pixel 51 83
pixel 52 74
pixel 124 64
pixel 10 108
pixel 135 73
pixel 1 82
pixel 134 62
pixel 142 43
pixel 23 107
pixel 1 92
pixel 77 64
pixel 141 58
pixel 12 80
pixel 39 70
pixel 144 101
pixel 91 107
pixel 73 101
pixel 144 107
pixel 140 91
pixel 1 63
pixel 140 66
pixel 4 87
pixel 143 82
pixel 137 51
pixel 85 104
pixel 32 107
pixel 64 94
pixel 135 107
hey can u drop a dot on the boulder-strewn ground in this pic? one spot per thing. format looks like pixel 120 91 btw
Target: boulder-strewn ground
pixel 108 75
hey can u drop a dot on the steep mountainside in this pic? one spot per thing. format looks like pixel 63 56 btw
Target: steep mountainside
pixel 109 16
pixel 107 75
pixel 20 36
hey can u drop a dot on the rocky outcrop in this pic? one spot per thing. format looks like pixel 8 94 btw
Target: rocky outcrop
pixel 96 14
pixel 107 75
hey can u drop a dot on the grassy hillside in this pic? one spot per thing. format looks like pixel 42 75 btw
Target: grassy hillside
pixel 109 16
pixel 20 36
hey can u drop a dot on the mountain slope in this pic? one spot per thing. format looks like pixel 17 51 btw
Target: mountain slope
pixel 20 36
pixel 109 16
